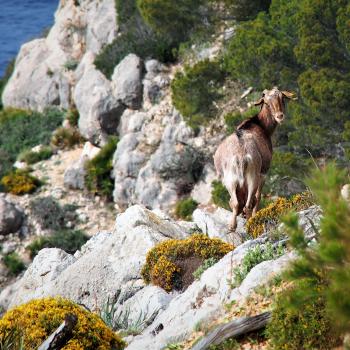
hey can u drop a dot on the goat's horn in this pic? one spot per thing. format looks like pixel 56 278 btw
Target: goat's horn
pixel 257 103
pixel 289 95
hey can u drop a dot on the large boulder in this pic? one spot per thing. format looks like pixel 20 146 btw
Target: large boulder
pixel 155 82
pixel 126 81
pixel 46 267
pixel 11 217
pixel 127 162
pixel 99 110
pixel 106 266
pixel 171 170
pixel 34 84
pixel 42 76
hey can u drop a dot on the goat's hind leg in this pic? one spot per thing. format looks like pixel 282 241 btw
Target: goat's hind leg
pixel 234 206
pixel 252 185
pixel 258 194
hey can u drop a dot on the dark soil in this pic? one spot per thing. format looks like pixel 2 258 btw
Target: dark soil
pixel 187 266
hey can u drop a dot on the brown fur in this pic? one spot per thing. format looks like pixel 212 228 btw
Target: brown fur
pixel 243 158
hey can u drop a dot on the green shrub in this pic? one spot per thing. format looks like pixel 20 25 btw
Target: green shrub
pixel 242 10
pixel 289 164
pixel 31 157
pixel 219 195
pixel 12 340
pixel 308 327
pixel 39 318
pixel 14 263
pixel 171 263
pixel 185 207
pixel 195 90
pixel 20 182
pixel 64 138
pixel 71 64
pixel 73 117
pixel 135 37
pixel 254 257
pixel 268 218
pixel 68 240
pixel 233 119
pixel 22 130
pixel 175 20
pixel 315 311
pixel 98 170
pixel 205 266
pixel 51 215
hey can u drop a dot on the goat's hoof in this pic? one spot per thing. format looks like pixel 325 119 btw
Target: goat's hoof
pixel 232 229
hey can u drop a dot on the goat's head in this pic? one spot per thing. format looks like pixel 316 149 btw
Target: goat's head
pixel 274 100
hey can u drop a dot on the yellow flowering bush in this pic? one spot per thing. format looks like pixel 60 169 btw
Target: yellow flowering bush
pixel 20 182
pixel 39 318
pixel 269 217
pixel 169 263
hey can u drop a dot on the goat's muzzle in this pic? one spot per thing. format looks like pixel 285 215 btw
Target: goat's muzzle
pixel 279 117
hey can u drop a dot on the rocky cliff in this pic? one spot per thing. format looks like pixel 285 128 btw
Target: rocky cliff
pixel 159 160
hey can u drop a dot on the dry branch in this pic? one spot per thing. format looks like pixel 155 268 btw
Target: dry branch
pixel 233 329
pixel 59 338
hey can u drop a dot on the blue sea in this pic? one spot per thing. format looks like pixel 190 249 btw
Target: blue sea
pixel 21 21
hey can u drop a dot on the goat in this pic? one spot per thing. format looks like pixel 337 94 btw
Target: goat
pixel 243 158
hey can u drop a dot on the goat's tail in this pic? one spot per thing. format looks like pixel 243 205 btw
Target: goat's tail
pixel 240 165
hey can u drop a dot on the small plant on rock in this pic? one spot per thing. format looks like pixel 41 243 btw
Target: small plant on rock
pixel 14 263
pixel 120 320
pixel 68 240
pixel 65 138
pixel 98 170
pixel 185 208
pixel 205 266
pixel 73 117
pixel 254 257
pixel 219 194
pixel 171 263
pixel 51 215
pixel 71 64
pixel 20 182
pixel 39 318
pixel 31 157
pixel 12 340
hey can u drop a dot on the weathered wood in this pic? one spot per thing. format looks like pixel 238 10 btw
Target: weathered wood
pixel 233 329
pixel 59 338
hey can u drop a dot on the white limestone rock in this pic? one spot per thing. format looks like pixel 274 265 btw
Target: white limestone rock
pixel 126 81
pixel 215 223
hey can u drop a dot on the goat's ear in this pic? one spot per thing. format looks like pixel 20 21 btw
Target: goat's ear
pixel 289 95
pixel 260 102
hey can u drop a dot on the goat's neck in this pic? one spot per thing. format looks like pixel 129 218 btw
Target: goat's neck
pixel 267 122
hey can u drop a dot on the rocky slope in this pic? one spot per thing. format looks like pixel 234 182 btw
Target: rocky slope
pixel 159 159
